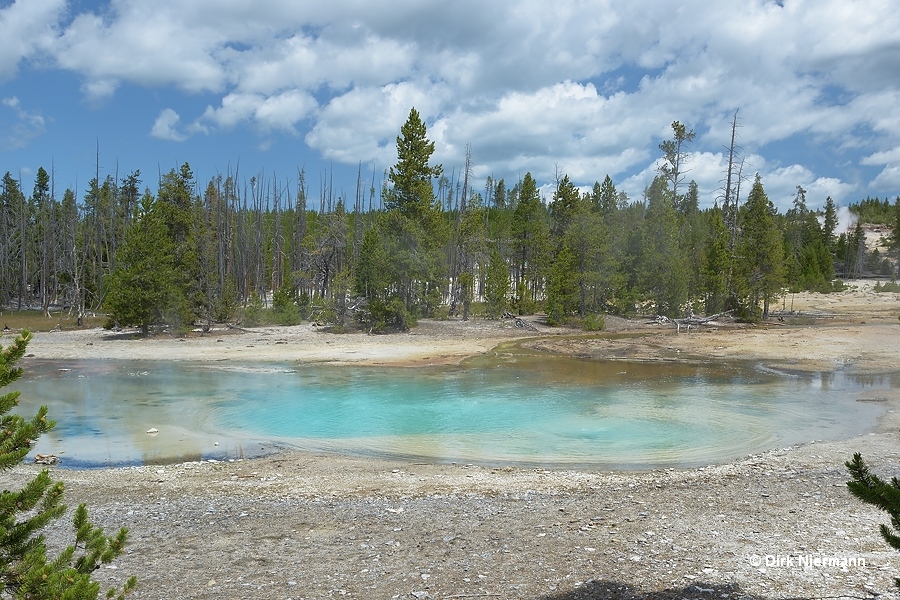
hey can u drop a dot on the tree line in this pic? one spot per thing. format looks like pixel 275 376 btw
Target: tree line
pixel 194 254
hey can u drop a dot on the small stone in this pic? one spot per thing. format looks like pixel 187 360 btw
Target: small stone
pixel 211 583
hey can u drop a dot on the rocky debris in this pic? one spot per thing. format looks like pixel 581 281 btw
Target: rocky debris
pixel 770 526
pixel 46 459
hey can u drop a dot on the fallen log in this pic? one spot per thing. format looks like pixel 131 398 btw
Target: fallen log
pixel 523 324
pixel 698 321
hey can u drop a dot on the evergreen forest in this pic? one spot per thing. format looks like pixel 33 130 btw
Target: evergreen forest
pixel 421 243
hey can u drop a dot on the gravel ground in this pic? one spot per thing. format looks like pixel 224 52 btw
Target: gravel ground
pixel 297 525
pixel 300 525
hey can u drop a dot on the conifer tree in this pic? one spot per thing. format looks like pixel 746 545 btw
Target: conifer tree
pixel 605 197
pixel 413 193
pixel 26 571
pixel 760 255
pixel 674 156
pixel 531 244
pixel 175 206
pixel 716 264
pixel 895 236
pixel 586 238
pixel 662 271
pixel 830 223
pixel 144 285
pixel 562 287
pixel 496 285
pixel 565 204
pixel 871 489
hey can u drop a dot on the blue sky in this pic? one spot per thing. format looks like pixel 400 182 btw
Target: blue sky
pixel 586 88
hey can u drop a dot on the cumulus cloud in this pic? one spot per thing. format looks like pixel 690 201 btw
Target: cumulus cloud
pixel 145 43
pixel 530 86
pixel 27 27
pixel 889 177
pixel 281 111
pixel 363 123
pixel 166 127
pixel 99 89
pixel 883 157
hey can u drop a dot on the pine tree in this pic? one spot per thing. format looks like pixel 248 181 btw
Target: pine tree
pixel 871 489
pixel 563 207
pixel 716 264
pixel 587 240
pixel 412 230
pixel 760 254
pixel 25 569
pixel 143 288
pixel 895 235
pixel 674 157
pixel 175 205
pixel 830 223
pixel 662 270
pixel 413 193
pixel 496 285
pixel 605 197
pixel 531 244
pixel 562 287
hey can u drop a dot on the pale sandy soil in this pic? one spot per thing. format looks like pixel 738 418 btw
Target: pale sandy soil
pixel 857 330
pixel 776 525
pixel 432 342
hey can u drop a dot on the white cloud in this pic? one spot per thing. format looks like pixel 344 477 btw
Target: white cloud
pixel 282 111
pixel 363 124
pixel 823 187
pixel 306 62
pixel 590 88
pixel 25 125
pixel 26 28
pixel 884 157
pixel 144 43
pixel 285 110
pixel 99 89
pixel 166 127
pixel 889 177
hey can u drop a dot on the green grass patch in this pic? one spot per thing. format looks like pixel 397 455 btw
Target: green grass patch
pixel 34 320
pixel 887 286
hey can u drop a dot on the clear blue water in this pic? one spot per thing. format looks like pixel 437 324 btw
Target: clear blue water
pixel 523 409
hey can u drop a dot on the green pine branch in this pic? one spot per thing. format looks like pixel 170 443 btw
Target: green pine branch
pixel 871 489
pixel 26 571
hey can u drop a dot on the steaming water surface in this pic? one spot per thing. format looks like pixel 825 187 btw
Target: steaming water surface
pixel 526 409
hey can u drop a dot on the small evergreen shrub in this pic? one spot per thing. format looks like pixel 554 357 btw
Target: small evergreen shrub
pixel 284 307
pixel 593 322
pixel 389 316
pixel 887 286
pixel 254 313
